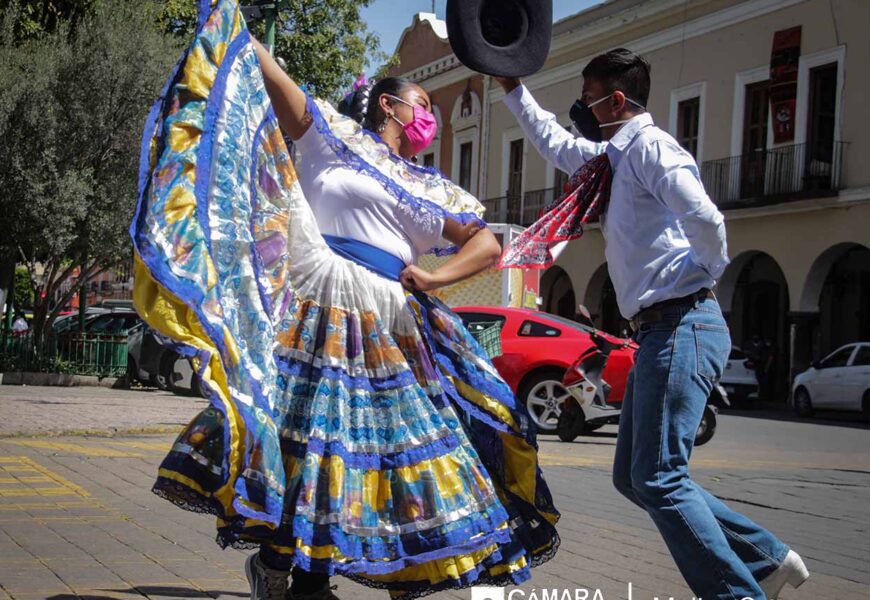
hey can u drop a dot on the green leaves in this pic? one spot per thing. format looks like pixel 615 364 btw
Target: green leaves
pixel 325 43
pixel 72 105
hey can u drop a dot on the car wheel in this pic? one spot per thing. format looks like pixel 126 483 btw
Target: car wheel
pixel 865 406
pixel 132 371
pixel 571 423
pixel 543 395
pixel 197 388
pixel 803 405
pixel 163 379
pixel 707 427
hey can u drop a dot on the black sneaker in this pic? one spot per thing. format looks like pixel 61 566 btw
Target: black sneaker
pixel 266 583
pixel 324 593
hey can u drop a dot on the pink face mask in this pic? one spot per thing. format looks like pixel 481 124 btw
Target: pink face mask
pixel 421 130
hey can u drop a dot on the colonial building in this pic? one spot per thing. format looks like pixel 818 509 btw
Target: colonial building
pixel 768 95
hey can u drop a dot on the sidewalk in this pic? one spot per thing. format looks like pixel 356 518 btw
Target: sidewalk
pixel 29 410
pixel 78 520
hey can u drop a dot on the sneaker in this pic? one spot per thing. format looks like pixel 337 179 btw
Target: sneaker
pixel 792 571
pixel 266 583
pixel 324 593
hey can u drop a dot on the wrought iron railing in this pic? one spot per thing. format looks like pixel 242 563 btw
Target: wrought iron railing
pixel 522 209
pixel 102 355
pixel 773 175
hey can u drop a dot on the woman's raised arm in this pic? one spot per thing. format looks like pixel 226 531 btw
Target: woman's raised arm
pixel 287 99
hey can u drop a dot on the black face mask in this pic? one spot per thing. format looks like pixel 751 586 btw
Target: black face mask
pixel 585 121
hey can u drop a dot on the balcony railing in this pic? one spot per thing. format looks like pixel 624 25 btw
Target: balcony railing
pixel 520 210
pixel 774 175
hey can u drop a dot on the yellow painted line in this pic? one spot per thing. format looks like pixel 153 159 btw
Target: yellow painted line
pixel 17 480
pixel 62 487
pixel 51 491
pixel 68 447
pixel 153 446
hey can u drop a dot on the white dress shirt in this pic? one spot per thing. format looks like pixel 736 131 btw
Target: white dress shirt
pixel 664 237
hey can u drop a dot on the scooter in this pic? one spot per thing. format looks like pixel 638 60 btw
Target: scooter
pixel 587 408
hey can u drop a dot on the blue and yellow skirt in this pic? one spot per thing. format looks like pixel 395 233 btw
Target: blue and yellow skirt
pixel 354 427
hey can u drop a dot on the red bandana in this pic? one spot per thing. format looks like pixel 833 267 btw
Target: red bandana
pixel 585 200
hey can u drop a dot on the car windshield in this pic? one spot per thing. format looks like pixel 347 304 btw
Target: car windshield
pixel 839 358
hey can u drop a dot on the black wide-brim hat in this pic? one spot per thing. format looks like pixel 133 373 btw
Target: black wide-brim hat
pixel 507 38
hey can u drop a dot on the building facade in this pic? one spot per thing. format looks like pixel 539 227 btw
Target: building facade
pixel 768 97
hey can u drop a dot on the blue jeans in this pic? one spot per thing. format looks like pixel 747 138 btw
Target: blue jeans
pixel 721 553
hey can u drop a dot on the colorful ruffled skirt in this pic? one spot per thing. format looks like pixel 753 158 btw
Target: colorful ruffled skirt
pixel 354 427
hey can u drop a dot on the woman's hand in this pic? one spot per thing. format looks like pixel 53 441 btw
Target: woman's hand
pixel 415 278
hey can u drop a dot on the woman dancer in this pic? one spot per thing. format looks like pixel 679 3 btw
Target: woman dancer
pixel 355 427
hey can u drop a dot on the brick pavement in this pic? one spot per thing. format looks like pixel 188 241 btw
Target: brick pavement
pixel 35 410
pixel 77 519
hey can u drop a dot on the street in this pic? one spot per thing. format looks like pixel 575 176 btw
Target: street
pixel 78 519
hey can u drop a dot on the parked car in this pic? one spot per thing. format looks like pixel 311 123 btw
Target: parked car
pixel 537 349
pixel 151 360
pixel 739 378
pixel 840 381
pixel 70 320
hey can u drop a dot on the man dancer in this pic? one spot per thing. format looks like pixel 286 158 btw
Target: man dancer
pixel 665 249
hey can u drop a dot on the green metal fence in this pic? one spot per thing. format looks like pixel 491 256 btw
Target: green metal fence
pixel 102 355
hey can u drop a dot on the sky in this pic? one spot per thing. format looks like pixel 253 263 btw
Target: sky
pixel 388 18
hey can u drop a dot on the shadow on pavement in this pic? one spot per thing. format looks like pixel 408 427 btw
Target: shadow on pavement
pixel 149 591
pixel 830 418
pixel 84 597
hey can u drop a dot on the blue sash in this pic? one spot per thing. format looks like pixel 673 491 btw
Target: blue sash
pixel 374 259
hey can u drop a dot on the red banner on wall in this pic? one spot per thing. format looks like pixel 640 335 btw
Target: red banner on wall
pixel 784 60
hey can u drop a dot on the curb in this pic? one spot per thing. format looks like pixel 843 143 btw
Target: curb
pixel 59 379
pixel 110 432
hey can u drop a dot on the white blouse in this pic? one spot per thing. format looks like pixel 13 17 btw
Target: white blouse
pixel 352 204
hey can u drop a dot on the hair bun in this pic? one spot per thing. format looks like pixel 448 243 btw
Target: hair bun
pixel 356 103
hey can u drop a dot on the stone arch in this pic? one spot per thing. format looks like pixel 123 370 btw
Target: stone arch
pixel 819 273
pixel 558 293
pixel 843 299
pixel 728 282
pixel 600 299
pixel 755 298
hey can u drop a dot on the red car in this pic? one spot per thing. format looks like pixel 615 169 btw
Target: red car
pixel 537 349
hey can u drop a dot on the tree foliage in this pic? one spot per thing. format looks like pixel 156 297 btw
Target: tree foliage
pixel 72 105
pixel 77 78
pixel 325 43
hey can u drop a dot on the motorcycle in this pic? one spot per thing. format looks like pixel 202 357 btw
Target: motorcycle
pixel 587 407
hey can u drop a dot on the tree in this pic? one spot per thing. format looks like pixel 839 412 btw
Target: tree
pixel 23 291
pixel 44 16
pixel 72 105
pixel 325 43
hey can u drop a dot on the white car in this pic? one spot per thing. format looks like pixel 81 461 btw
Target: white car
pixel 739 378
pixel 841 381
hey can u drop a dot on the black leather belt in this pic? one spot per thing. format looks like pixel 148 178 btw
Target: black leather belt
pixel 656 312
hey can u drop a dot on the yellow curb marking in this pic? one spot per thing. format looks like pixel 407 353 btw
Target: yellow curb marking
pixel 161 447
pixel 76 448
pixel 16 464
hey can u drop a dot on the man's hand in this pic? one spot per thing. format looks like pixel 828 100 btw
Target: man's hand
pixel 508 84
